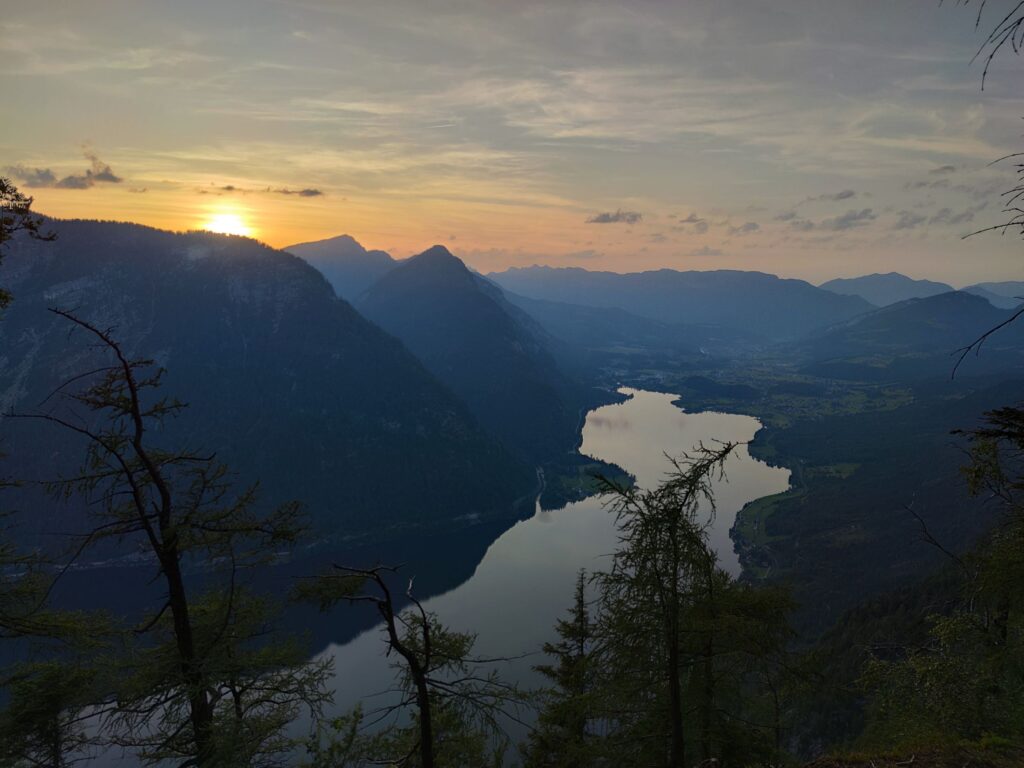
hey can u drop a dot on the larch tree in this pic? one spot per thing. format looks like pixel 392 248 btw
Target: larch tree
pixel 452 706
pixel 201 681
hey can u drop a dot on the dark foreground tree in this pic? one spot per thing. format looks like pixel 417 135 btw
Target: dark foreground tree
pixel 200 681
pixel 566 734
pixel 16 216
pixel 966 681
pixel 683 658
pixel 451 705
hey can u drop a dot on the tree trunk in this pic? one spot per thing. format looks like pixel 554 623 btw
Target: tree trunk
pixel 426 726
pixel 200 711
pixel 708 705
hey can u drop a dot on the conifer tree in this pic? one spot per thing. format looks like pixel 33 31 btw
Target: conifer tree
pixel 451 704
pixel 564 735
pixel 16 215
pixel 200 681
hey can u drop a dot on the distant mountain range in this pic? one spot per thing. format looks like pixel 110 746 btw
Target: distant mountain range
pixel 1006 295
pixel 749 302
pixel 892 288
pixel 348 267
pixel 604 328
pixel 917 338
pixel 286 382
pixel 488 351
pixel 883 290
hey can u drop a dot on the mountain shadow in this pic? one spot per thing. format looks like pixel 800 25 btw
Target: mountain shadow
pixel 750 302
pixel 286 382
pixel 348 267
pixel 489 352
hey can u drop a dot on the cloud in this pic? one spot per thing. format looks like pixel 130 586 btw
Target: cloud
pixel 947 216
pixel 786 216
pixel 849 220
pixel 700 226
pixel 232 189
pixel 834 197
pixel 745 229
pixel 44 177
pixel 942 169
pixel 583 255
pixel 937 184
pixel 32 177
pixel 909 220
pixel 99 171
pixel 618 217
pixel 706 251
pixel 802 225
pixel 307 192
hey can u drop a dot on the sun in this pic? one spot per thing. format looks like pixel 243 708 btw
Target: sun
pixel 226 223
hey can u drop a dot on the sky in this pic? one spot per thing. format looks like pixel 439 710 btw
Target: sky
pixel 807 138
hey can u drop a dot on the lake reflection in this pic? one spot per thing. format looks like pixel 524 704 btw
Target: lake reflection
pixel 524 581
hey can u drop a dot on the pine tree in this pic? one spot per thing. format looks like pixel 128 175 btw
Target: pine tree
pixel 564 735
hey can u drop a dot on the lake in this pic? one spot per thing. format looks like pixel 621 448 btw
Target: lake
pixel 525 579
pixel 506 582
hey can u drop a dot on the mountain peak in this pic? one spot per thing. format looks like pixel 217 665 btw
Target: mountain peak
pixel 346 264
pixel 342 243
pixel 437 254
pixel 885 289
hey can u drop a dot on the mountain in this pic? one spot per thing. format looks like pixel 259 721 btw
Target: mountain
pixel 1006 295
pixel 286 382
pixel 883 290
pixel 750 302
pixel 917 338
pixel 604 328
pixel 348 267
pixel 486 350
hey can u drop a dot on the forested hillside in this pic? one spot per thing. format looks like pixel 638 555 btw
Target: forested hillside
pixel 284 380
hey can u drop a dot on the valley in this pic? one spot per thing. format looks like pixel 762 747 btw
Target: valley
pixel 473 421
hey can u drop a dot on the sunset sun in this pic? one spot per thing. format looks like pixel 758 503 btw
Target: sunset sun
pixel 228 223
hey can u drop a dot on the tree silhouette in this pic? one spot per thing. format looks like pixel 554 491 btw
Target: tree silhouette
pixel 200 682
pixel 16 216
pixel 456 704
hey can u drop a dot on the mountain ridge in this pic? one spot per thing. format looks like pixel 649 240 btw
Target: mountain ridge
pixel 883 289
pixel 348 266
pixel 753 302
pixel 290 384
pixel 485 349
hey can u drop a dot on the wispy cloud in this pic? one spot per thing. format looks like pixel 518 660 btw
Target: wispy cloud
pixel 616 217
pixel 706 251
pixel 747 228
pixel 32 177
pixel 98 173
pixel 910 220
pixel 849 220
pixel 846 194
pixel 306 192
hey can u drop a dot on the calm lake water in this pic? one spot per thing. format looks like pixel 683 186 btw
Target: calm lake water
pixel 525 579
pixel 508 584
